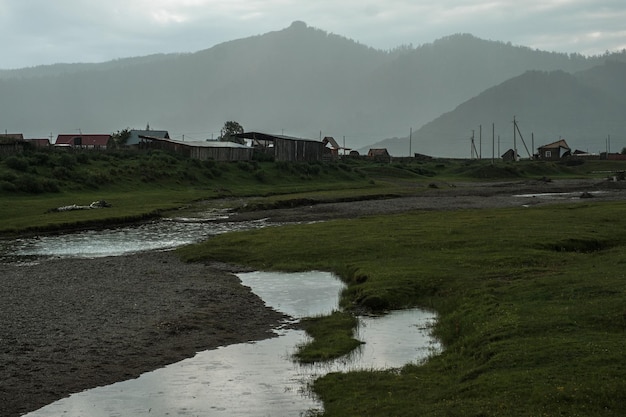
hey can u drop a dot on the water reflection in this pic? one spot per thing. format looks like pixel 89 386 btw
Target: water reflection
pixel 258 379
pixel 160 234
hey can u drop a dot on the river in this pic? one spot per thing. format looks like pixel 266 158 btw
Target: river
pixel 249 379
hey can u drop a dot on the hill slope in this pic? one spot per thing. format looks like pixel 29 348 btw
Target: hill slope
pixel 583 108
pixel 301 81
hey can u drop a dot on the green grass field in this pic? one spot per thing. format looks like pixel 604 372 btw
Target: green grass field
pixel 531 301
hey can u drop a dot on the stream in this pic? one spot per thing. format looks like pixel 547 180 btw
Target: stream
pixel 248 379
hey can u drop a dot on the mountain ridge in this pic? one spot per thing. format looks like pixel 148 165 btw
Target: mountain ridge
pixel 300 81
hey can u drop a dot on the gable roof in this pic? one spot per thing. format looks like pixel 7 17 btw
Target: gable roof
pixel 83 140
pixel 269 137
pixel 556 145
pixel 195 144
pixel 39 142
pixel 136 135
pixel 378 152
pixel 17 136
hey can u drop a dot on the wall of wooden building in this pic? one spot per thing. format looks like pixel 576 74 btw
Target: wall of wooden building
pixel 298 150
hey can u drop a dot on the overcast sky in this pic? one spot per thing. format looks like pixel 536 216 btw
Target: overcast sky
pixel 37 32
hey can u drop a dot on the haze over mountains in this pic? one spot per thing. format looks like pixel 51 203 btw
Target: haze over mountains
pixel 305 82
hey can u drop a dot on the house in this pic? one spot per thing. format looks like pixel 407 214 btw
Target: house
pixel 332 148
pixel 84 141
pixel 380 155
pixel 16 136
pixel 286 148
pixel 11 143
pixel 135 136
pixel 39 143
pixel 509 155
pixel 202 150
pixel 554 151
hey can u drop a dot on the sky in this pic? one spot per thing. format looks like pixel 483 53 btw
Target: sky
pixel 41 32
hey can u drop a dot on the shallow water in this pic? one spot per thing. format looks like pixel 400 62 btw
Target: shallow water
pixel 249 379
pixel 558 196
pixel 258 379
pixel 160 234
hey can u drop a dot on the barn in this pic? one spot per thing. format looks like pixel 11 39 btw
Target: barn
pixel 202 150
pixel 286 148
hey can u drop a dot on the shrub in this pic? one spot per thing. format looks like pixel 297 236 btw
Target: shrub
pixel 29 184
pixel 17 163
pixel 7 186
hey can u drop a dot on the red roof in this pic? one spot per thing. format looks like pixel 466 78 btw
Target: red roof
pixel 83 140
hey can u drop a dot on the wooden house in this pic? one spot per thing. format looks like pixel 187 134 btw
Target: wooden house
pixel 11 143
pixel 554 151
pixel 202 150
pixel 80 141
pixel 380 155
pixel 509 156
pixel 39 143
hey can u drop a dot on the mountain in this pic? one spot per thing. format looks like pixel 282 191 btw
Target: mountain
pixel 584 108
pixel 299 81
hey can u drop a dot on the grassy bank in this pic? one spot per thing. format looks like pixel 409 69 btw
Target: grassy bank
pixel 532 305
pixel 141 185
pixel 144 184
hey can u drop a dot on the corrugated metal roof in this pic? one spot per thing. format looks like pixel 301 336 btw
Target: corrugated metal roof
pixel 85 140
pixel 198 144
pixel 269 137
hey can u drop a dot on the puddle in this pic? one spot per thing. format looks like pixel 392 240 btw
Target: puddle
pixel 552 196
pixel 260 378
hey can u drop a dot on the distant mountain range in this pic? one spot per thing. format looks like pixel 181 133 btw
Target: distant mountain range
pixel 305 82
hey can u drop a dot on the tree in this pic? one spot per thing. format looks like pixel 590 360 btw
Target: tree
pixel 230 129
pixel 121 137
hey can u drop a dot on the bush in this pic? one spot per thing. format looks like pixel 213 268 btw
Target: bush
pixel 7 186
pixel 17 163
pixel 32 185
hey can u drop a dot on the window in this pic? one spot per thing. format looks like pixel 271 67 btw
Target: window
pixel 548 154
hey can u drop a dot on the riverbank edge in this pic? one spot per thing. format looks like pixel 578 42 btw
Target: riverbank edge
pixel 75 324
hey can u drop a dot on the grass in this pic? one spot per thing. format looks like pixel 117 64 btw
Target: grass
pixel 531 303
pixel 332 337
pixel 141 185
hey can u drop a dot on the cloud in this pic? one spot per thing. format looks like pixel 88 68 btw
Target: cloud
pixel 41 31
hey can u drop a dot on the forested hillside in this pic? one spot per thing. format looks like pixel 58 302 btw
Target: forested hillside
pixel 299 81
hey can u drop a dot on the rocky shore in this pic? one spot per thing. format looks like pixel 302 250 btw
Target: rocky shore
pixel 72 324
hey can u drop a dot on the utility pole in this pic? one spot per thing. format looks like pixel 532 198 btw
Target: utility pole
pixel 410 141
pixel 480 141
pixel 493 143
pixel 514 140
pixel 473 146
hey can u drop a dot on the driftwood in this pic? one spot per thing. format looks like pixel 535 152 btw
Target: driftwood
pixel 95 205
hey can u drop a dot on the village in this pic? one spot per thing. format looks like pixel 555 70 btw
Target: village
pixel 242 148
